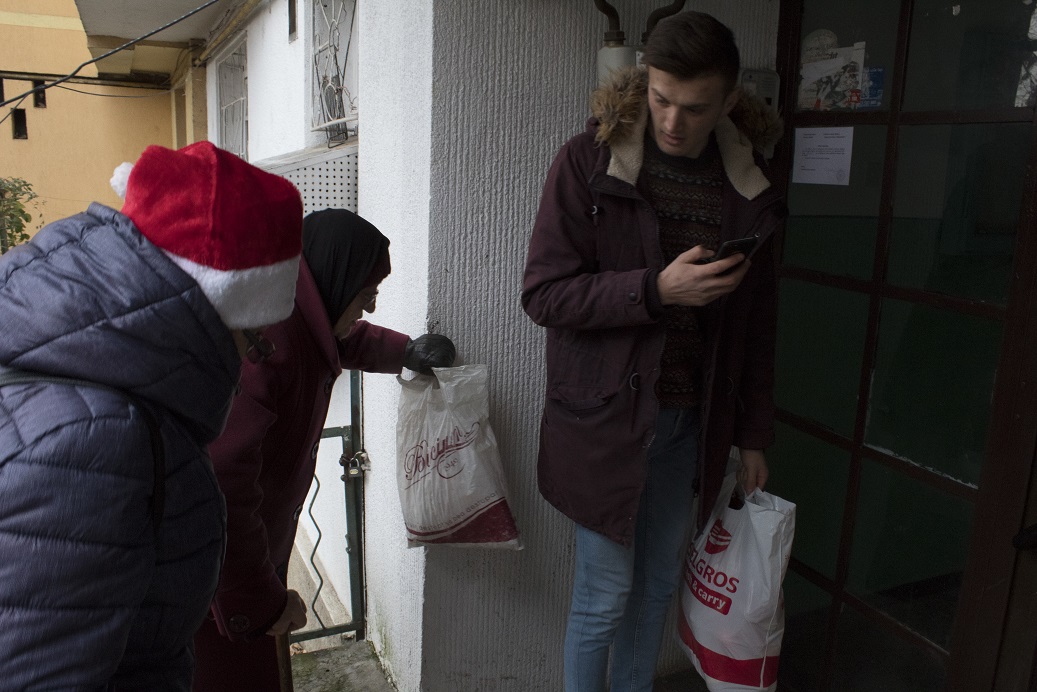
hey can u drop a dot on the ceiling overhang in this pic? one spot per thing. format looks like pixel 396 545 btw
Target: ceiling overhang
pixel 112 23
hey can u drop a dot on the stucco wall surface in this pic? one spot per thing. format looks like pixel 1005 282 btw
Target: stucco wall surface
pixel 277 96
pixel 395 75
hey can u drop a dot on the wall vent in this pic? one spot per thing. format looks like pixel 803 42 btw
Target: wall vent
pixel 326 178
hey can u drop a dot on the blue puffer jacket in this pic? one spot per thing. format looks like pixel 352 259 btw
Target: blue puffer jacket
pixel 91 597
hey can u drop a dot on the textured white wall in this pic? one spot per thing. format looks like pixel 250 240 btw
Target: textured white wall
pixel 511 85
pixel 278 96
pixel 465 105
pixel 395 74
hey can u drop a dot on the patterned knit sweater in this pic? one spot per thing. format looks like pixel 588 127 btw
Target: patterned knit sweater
pixel 687 195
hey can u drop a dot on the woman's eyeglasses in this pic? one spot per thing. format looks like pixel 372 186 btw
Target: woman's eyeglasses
pixel 259 348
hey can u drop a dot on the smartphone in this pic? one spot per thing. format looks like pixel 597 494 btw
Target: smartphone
pixel 732 247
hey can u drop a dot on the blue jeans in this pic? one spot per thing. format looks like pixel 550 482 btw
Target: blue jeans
pixel 621 596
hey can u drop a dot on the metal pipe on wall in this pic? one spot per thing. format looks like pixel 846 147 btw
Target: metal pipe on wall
pixel 661 13
pixel 614 33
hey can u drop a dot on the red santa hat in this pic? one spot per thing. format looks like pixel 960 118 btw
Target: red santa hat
pixel 236 229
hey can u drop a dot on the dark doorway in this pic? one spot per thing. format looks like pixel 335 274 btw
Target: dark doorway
pixel 907 411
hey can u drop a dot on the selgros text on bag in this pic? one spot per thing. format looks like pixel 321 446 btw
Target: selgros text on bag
pixel 732 615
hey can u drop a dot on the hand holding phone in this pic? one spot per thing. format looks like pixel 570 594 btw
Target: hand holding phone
pixel 731 247
pixel 682 283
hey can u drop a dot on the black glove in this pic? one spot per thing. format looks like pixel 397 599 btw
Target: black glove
pixel 429 351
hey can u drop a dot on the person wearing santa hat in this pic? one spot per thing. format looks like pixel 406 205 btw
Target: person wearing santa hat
pixel 266 457
pixel 123 335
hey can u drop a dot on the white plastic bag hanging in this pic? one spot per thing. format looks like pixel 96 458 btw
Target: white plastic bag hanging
pixel 732 615
pixel 448 468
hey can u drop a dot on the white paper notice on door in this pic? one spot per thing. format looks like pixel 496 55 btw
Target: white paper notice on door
pixel 823 155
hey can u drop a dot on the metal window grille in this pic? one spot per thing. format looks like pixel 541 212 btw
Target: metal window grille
pixel 233 94
pixel 334 94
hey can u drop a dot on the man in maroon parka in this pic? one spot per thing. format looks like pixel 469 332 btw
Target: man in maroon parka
pixel 657 363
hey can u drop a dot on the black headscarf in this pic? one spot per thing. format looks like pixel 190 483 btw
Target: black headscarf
pixel 345 253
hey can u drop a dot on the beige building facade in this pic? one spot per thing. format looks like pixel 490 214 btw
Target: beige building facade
pixel 67 143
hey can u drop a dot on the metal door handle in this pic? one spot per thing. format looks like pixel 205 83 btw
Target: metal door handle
pixel 1026 539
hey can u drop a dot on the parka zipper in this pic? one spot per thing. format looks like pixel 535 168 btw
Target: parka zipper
pixel 709 384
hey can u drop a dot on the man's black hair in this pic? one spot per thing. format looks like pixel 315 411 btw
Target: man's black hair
pixel 693 44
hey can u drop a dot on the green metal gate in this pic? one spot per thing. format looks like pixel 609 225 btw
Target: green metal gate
pixel 353 463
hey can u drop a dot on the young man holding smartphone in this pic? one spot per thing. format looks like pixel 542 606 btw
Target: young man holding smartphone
pixel 657 364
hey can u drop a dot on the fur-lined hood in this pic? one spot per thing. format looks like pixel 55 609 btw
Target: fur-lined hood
pixel 621 108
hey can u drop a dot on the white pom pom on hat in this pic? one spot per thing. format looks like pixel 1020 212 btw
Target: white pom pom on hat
pixel 234 228
pixel 120 177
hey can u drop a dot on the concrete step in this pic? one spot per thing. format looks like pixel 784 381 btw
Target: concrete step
pixel 354 667
pixel 351 667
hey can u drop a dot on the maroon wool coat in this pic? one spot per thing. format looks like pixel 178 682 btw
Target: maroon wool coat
pixel 266 456
pixel 593 260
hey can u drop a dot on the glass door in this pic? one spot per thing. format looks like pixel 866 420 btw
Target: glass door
pixel 906 422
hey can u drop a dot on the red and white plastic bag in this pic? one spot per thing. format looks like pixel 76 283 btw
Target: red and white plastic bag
pixel 449 469
pixel 732 616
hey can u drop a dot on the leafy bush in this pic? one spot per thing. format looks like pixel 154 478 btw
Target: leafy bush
pixel 15 196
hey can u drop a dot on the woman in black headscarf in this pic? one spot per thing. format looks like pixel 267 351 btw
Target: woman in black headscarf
pixel 266 457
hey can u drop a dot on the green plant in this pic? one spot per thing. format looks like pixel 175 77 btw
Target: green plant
pixel 15 196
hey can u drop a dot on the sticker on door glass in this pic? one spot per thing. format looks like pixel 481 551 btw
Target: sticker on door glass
pixel 831 76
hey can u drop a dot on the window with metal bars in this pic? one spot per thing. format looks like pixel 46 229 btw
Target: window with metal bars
pixel 232 76
pixel 334 92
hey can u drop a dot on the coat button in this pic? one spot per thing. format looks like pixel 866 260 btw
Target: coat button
pixel 297 513
pixel 313 452
pixel 239 623
pixel 632 297
pixel 328 385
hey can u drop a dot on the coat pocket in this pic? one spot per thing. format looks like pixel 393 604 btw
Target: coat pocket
pixel 584 404
pixel 582 407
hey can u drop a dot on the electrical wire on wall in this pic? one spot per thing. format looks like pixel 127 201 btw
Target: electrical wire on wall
pixel 184 53
pixel 164 92
pixel 154 94
pixel 124 46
